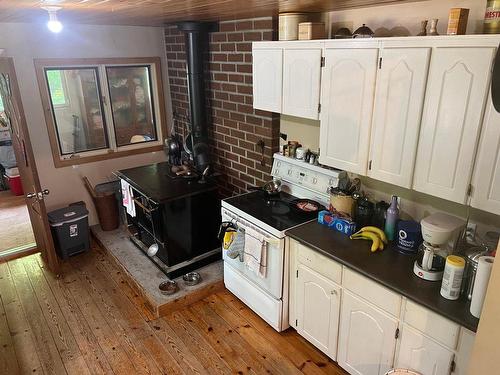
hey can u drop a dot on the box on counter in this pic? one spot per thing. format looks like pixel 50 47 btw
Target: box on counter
pixel 457 21
pixel 341 223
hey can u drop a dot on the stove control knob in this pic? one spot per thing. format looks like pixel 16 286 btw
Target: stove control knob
pixel 290 172
pixel 315 180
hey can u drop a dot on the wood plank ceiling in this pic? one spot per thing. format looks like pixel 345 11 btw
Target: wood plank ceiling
pixel 159 12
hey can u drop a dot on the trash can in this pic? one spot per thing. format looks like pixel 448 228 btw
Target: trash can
pixel 106 205
pixel 70 230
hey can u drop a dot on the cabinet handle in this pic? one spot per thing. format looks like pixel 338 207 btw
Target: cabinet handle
pixel 333 292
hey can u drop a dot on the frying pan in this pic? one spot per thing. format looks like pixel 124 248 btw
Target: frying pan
pixel 270 188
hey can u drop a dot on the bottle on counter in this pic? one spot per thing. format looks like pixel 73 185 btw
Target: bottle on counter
pixel 391 219
pixel 452 277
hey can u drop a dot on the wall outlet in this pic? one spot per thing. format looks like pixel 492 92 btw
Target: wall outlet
pixel 470 233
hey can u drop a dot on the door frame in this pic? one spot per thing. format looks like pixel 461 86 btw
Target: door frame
pixel 28 171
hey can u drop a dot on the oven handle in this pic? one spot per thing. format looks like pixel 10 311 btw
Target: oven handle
pixel 149 211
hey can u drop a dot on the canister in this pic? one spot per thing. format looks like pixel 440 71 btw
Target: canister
pixel 492 17
pixel 289 25
pixel 409 236
pixel 452 277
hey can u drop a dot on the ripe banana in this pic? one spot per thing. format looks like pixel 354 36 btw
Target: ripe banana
pixel 377 244
pixel 375 230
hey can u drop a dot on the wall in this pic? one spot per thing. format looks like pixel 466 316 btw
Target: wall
pixel 234 126
pixel 404 19
pixel 24 42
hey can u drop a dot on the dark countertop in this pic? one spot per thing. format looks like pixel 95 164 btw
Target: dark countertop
pixel 156 182
pixel 389 268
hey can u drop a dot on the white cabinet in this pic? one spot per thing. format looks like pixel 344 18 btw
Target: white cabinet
pixel 397 113
pixel 457 88
pixel 423 355
pixel 367 337
pixel 318 308
pixel 486 180
pixel 347 91
pixel 301 82
pixel 267 71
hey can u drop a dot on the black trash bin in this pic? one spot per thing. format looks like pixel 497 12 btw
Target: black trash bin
pixel 70 230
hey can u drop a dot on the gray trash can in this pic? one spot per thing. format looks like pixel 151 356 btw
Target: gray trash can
pixel 70 230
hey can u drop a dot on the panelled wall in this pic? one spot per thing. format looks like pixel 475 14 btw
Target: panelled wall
pixel 235 128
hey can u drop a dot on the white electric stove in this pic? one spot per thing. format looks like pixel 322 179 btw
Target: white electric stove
pixel 272 217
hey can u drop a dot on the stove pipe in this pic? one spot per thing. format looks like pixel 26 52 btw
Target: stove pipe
pixel 196 41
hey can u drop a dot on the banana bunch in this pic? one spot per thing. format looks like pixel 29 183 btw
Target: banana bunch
pixel 376 235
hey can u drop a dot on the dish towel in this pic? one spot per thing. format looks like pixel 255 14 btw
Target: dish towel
pixel 127 197
pixel 236 248
pixel 255 253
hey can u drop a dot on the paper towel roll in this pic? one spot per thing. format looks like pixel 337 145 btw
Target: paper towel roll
pixel 485 264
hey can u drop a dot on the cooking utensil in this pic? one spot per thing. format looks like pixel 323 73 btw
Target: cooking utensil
pixel 271 188
pixel 168 287
pixel 191 278
pixel 363 32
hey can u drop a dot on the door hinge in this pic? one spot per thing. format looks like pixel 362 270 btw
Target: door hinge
pixel 319 108
pixel 469 190
pixel 380 63
pixel 396 334
pixel 297 274
pixel 370 165
pixel 322 64
pixel 453 366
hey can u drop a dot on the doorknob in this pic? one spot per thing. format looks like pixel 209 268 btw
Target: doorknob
pixel 42 193
pixel 30 195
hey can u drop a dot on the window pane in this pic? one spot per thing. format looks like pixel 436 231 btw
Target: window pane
pixel 1 104
pixel 131 101
pixel 76 106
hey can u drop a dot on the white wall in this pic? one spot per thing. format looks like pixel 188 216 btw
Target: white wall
pixel 398 19
pixel 24 42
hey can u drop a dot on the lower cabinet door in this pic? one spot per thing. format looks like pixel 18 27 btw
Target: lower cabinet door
pixel 367 337
pixel 423 355
pixel 318 308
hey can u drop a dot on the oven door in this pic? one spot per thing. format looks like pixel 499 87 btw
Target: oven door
pixel 273 282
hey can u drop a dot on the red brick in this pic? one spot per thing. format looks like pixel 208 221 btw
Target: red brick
pixel 230 124
pixel 231 140
pixel 237 133
pixel 263 24
pixel 237 116
pixel 229 106
pixel 237 78
pixel 247 178
pixel 219 37
pixel 228 87
pixel 235 37
pixel 252 36
pixel 244 25
pixel 219 57
pixel 246 127
pixel 268 35
pixel 220 77
pixel 226 26
pixel 236 57
pixel 244 68
pixel 228 67
pixel 223 95
pixel 254 120
pixel 244 47
pixel 244 89
pixel 228 47
pixel 238 150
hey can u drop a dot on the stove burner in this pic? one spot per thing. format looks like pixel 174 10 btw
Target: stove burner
pixel 278 207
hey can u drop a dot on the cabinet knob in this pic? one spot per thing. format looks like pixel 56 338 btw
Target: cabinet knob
pixel 333 292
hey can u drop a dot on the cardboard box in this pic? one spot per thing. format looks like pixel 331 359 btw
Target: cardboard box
pixel 457 21
pixel 311 30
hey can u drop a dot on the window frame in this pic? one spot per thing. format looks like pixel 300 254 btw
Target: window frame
pixel 112 150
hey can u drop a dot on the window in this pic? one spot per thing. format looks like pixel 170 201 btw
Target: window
pixel 101 109
pixel 1 104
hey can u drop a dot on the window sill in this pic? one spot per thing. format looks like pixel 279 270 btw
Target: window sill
pixel 61 163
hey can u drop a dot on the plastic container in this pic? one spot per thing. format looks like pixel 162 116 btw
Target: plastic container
pixel 70 230
pixel 391 219
pixel 409 236
pixel 452 277
pixel 106 205
pixel 14 181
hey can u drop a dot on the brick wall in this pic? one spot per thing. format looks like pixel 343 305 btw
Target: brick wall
pixel 235 128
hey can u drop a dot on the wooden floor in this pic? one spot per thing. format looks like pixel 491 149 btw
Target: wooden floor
pixel 89 321
pixel 15 225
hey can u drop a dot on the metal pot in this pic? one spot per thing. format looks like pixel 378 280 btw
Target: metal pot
pixel 271 188
pixel 363 32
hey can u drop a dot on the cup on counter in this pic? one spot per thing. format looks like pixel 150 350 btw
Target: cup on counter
pixel 300 153
pixel 409 236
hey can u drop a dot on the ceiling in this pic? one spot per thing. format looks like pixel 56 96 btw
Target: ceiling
pixel 159 12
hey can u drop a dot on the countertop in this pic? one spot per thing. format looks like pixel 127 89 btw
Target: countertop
pixel 156 182
pixel 389 268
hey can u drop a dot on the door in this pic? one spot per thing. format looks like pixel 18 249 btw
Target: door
pixel 367 337
pixel 456 93
pixel 301 82
pixel 11 97
pixel 267 68
pixel 486 180
pixel 347 91
pixel 399 100
pixel 423 355
pixel 318 310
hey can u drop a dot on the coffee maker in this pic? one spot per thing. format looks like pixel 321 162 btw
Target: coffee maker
pixel 440 232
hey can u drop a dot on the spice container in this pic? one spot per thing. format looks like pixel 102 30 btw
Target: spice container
pixel 452 277
pixel 492 17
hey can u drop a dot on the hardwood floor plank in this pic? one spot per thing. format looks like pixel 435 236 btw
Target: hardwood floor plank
pixel 45 345
pixel 8 358
pixel 19 328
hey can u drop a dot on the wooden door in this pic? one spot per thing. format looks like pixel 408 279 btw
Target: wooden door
pixel 367 337
pixel 318 310
pixel 423 355
pixel 301 82
pixel 399 100
pixel 11 97
pixel 457 90
pixel 267 71
pixel 486 177
pixel 347 92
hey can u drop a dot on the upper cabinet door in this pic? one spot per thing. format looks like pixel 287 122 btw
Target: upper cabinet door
pixel 318 309
pixel 366 339
pixel 486 180
pixel 421 354
pixel 457 89
pixel 347 91
pixel 267 72
pixel 399 100
pixel 301 82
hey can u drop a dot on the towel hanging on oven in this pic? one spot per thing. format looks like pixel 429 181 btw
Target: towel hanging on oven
pixel 255 253
pixel 128 197
pixel 236 247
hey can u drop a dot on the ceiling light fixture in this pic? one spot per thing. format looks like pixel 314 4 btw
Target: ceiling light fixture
pixel 54 24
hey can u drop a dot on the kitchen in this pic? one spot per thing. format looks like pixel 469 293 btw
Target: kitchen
pixel 243 142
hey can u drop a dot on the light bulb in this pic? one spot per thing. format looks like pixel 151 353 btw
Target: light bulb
pixel 54 26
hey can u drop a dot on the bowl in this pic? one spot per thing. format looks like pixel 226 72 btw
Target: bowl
pixel 168 287
pixel 191 278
